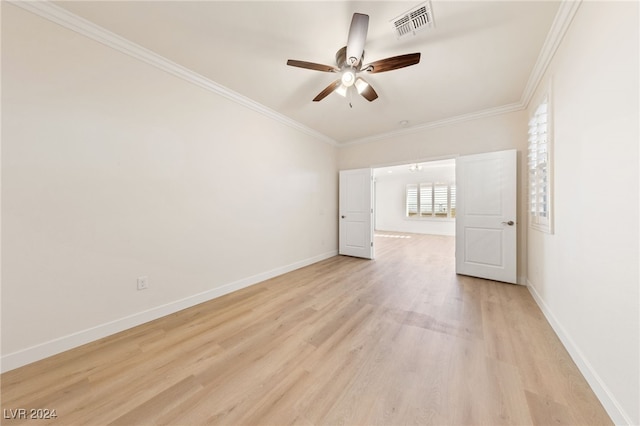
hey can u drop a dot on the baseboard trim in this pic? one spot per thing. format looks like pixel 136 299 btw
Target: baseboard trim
pixel 607 399
pixel 44 350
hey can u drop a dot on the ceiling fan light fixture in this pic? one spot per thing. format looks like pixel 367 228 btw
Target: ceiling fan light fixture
pixel 348 78
pixel 342 90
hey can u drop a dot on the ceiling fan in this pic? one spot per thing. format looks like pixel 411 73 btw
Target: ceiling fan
pixel 349 61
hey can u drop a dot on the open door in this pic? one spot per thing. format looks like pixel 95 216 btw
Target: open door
pixel 356 213
pixel 486 216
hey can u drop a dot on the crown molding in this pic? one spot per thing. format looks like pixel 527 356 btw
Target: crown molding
pixel 517 106
pixel 559 27
pixel 47 10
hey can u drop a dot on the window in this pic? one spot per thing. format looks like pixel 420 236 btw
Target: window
pixel 441 200
pixel 412 200
pixel 426 200
pixel 429 200
pixel 539 166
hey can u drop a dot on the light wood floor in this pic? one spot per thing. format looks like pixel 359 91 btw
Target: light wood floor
pixel 398 340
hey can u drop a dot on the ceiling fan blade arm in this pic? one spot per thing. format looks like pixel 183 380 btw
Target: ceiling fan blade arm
pixel 365 89
pixel 312 66
pixel 394 63
pixel 328 90
pixel 357 38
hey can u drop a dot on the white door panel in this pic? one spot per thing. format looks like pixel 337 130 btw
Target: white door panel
pixel 356 211
pixel 483 246
pixel 486 216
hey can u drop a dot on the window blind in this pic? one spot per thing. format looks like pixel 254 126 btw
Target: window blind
pixel 452 200
pixel 440 200
pixel 430 200
pixel 538 165
pixel 412 200
pixel 426 200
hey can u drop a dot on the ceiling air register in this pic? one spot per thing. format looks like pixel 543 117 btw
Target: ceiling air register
pixel 413 21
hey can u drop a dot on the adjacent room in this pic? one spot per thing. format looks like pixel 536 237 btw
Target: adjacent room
pixel 310 212
pixel 417 197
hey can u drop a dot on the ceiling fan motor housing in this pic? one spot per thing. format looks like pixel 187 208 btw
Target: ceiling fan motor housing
pixel 341 59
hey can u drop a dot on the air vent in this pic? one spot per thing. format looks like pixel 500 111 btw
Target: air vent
pixel 413 21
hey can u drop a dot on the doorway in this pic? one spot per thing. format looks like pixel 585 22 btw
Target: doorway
pixel 420 198
pixel 423 198
pixel 416 198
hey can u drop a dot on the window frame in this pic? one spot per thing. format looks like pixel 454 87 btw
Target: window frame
pixel 540 173
pixel 418 213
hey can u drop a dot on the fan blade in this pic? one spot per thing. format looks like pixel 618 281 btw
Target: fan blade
pixel 312 66
pixel 357 38
pixel 328 90
pixel 393 63
pixel 365 89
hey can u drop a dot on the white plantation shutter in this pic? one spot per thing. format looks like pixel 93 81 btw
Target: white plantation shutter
pixel 538 166
pixel 452 200
pixel 412 200
pixel 426 200
pixel 430 200
pixel 440 200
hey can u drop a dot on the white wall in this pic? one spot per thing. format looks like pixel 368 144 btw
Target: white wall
pixel 113 169
pixel 390 209
pixel 495 133
pixel 585 275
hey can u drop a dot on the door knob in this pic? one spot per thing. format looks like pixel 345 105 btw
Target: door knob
pixel 510 223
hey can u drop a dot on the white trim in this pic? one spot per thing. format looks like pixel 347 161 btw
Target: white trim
pixel 417 160
pixel 61 344
pixel 561 22
pixel 606 397
pixel 53 13
pixel 559 27
pixel 439 123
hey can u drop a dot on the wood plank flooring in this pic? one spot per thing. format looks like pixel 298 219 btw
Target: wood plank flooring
pixel 398 340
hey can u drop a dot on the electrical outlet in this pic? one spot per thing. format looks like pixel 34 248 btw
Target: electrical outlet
pixel 143 283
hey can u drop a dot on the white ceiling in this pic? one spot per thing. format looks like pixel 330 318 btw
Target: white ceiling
pixel 479 56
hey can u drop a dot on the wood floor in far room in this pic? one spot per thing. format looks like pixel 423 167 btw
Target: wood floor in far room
pixel 398 340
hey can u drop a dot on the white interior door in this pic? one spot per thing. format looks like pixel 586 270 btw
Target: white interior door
pixel 356 213
pixel 486 216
